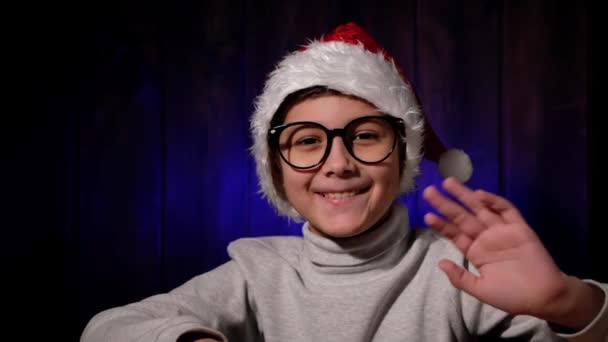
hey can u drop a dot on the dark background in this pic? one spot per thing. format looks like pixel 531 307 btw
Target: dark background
pixel 127 170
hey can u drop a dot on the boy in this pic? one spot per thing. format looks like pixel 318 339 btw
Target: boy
pixel 338 136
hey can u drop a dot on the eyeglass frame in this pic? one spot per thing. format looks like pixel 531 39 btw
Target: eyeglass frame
pixel 397 124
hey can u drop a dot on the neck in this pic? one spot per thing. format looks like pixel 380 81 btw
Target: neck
pixel 372 250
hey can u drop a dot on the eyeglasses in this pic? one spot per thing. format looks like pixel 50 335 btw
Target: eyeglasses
pixel 369 139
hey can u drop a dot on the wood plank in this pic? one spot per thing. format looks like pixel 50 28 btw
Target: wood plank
pixel 596 128
pixel 207 134
pixel 545 125
pixel 119 162
pixel 458 55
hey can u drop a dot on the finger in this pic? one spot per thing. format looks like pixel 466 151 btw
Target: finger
pixel 472 201
pixel 459 277
pixel 461 240
pixel 456 214
pixel 501 206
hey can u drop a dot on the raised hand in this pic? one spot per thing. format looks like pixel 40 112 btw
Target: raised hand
pixel 516 273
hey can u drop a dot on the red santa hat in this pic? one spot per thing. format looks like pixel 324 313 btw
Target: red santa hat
pixel 350 61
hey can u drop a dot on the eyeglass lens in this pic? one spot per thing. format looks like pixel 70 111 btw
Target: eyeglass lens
pixel 306 144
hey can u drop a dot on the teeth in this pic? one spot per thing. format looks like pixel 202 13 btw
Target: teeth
pixel 339 195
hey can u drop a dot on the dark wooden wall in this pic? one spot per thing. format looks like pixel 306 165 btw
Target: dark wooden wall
pixel 133 175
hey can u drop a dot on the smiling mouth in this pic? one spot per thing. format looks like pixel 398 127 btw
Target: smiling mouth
pixel 344 194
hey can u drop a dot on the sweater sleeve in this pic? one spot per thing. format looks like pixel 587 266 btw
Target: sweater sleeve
pixel 216 303
pixel 597 329
pixel 483 319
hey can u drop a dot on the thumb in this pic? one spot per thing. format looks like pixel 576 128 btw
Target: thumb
pixel 459 277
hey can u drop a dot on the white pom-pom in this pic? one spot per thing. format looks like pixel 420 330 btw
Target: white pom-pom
pixel 455 163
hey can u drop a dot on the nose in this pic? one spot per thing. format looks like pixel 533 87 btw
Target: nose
pixel 339 162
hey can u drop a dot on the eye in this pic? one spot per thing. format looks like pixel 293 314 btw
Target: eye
pixel 308 141
pixel 366 136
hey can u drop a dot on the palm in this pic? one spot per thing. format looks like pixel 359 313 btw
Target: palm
pixel 516 273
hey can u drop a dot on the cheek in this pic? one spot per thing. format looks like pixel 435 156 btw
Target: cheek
pixel 397 170
pixel 389 178
pixel 288 184
pixel 294 182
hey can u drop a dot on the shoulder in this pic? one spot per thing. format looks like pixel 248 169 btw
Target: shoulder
pixel 436 247
pixel 260 251
pixel 435 243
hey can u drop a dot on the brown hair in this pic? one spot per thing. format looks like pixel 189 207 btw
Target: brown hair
pixel 298 97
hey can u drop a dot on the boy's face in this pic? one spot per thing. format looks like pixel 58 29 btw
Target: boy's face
pixel 342 197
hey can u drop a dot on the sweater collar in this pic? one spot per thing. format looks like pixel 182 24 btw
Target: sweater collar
pixel 374 248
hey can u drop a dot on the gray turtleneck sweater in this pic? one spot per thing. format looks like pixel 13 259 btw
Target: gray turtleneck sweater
pixel 383 285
